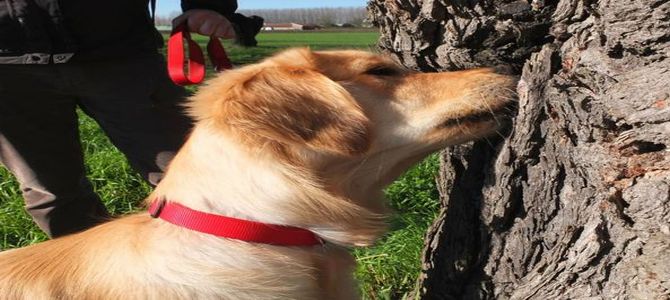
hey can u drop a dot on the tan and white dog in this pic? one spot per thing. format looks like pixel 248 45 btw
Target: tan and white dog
pixel 306 139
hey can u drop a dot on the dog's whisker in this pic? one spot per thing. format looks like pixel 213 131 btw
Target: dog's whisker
pixel 489 142
pixel 460 127
pixel 500 134
pixel 488 106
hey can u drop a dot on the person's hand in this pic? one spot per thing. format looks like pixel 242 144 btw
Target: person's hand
pixel 206 22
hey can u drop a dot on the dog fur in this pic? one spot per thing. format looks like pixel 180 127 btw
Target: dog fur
pixel 307 139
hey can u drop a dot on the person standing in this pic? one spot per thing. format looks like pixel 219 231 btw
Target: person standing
pixel 100 56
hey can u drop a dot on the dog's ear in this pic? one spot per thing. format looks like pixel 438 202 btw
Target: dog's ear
pixel 298 106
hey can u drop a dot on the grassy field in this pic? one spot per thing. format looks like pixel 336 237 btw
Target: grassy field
pixel 269 43
pixel 386 271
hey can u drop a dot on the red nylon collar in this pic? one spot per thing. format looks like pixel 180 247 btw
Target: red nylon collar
pixel 232 228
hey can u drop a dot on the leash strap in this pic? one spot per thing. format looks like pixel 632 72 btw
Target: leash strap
pixel 196 61
pixel 218 55
pixel 232 228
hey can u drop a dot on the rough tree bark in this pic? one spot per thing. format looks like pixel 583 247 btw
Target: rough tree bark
pixel 575 202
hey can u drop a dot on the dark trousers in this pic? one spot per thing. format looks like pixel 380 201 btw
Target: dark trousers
pixel 133 101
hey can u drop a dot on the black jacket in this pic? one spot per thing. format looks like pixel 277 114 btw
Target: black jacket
pixel 58 31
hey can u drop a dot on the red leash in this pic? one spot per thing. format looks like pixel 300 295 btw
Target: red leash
pixel 196 60
pixel 232 228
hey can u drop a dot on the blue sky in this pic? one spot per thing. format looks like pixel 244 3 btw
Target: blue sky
pixel 166 7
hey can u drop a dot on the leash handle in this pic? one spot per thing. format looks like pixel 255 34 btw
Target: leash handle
pixel 196 61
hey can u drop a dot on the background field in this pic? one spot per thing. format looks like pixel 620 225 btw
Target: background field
pixel 386 271
pixel 269 43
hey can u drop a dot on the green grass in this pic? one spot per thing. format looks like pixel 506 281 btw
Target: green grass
pixel 389 269
pixel 269 43
pixel 386 271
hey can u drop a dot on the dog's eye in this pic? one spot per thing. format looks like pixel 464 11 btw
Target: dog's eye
pixel 382 71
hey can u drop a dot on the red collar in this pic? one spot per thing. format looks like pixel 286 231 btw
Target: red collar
pixel 232 228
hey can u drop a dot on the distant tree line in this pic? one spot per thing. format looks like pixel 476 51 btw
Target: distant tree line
pixel 321 16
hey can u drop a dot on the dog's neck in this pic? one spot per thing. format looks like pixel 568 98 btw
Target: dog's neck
pixel 215 173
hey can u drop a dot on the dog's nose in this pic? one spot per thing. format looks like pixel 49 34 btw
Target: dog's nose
pixel 504 70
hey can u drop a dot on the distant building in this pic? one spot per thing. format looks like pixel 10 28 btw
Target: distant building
pixel 282 26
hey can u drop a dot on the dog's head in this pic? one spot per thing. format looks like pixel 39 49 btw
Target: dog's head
pixel 333 110
pixel 335 127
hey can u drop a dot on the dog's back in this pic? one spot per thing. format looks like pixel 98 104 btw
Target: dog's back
pixel 72 266
pixel 132 258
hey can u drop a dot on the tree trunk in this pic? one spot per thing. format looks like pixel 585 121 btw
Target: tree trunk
pixel 575 202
